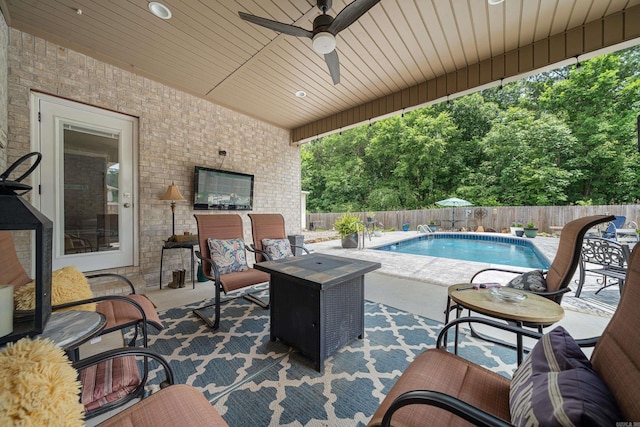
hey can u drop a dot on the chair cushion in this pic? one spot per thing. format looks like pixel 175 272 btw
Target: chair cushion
pixel 120 313
pixel 277 248
pixel 68 284
pixel 442 371
pixel 229 255
pixel 177 405
pixel 530 281
pixel 556 386
pixel 242 279
pixel 108 381
pixel 38 386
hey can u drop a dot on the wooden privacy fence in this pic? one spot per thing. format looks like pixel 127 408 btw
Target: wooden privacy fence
pixel 470 217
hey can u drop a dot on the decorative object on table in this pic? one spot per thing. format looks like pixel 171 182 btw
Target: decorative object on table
pixel 454 202
pixel 531 230
pixel 6 310
pixel 17 214
pixel 38 385
pixel 502 294
pixel 173 194
pixel 348 226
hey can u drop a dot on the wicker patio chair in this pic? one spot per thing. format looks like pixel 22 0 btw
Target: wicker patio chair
pixel 226 233
pixel 439 388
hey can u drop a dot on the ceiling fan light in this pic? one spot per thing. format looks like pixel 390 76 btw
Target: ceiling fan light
pixel 324 42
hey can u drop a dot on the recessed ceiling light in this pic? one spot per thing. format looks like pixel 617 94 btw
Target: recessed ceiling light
pixel 494 2
pixel 160 10
pixel 301 94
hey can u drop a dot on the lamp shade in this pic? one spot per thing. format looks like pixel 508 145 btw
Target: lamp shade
pixel 172 193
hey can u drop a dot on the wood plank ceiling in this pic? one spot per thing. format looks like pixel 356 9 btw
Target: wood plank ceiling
pixel 205 49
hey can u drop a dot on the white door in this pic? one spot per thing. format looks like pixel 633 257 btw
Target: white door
pixel 87 185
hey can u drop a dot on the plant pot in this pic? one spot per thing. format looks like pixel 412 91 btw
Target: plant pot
pixel 432 227
pixel 519 233
pixel 350 241
pixel 377 233
pixel 405 227
pixel 531 232
pixel 515 229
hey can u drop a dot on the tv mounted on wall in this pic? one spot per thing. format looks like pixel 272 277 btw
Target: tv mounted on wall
pixel 222 190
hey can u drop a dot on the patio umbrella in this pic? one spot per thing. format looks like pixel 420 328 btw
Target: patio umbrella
pixel 454 202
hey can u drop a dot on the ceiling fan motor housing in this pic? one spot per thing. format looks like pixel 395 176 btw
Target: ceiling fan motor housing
pixel 324 5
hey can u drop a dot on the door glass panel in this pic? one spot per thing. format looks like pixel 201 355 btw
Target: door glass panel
pixel 91 183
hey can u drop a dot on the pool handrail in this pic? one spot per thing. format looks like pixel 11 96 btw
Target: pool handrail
pixel 425 229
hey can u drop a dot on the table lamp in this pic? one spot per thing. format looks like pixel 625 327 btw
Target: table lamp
pixel 173 194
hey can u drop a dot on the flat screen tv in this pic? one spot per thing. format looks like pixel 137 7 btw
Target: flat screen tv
pixel 222 190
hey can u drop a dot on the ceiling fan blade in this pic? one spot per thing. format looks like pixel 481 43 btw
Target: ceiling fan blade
pixel 334 66
pixel 280 27
pixel 350 14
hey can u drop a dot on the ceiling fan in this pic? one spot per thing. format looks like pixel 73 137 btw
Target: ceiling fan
pixel 325 29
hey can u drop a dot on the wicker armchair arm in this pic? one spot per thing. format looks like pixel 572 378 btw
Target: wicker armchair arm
pixel 117 276
pixel 449 403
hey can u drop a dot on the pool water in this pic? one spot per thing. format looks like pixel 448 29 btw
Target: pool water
pixel 473 247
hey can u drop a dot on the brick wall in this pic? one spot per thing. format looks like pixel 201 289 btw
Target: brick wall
pixel 176 132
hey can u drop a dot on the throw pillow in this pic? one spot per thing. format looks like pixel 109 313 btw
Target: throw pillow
pixel 229 255
pixel 68 284
pixel 557 386
pixel 529 281
pixel 38 386
pixel 277 248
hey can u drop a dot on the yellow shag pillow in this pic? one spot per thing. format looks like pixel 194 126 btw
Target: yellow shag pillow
pixel 38 386
pixel 68 284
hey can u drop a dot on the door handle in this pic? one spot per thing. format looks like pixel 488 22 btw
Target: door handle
pixel 127 205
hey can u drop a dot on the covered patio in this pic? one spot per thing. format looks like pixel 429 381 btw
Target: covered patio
pixel 203 87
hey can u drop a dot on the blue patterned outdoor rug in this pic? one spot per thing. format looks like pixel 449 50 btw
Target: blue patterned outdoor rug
pixel 255 382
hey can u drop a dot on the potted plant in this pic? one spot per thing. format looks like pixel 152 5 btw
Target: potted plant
pixel 405 225
pixel 432 225
pixel 377 231
pixel 530 230
pixel 517 227
pixel 347 226
pixel 370 216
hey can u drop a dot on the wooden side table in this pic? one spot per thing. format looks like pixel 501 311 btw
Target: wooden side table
pixel 534 310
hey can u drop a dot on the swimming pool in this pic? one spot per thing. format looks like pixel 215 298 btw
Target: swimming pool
pixel 476 247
